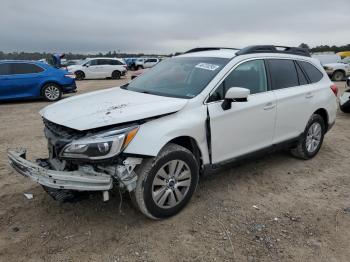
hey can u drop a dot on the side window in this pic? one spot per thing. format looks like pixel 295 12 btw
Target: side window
pixel 103 62
pixel 92 62
pixel 250 75
pixel 283 73
pixel 312 72
pixel 301 76
pixel 5 69
pixel 115 62
pixel 22 68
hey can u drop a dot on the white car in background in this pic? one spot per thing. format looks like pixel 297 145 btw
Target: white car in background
pixel 337 71
pixel 326 58
pixel 151 62
pixel 100 67
pixel 142 63
pixel 344 100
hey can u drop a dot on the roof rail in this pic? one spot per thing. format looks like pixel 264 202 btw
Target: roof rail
pixel 274 49
pixel 201 49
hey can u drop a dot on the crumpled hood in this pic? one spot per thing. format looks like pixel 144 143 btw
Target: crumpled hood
pixel 109 107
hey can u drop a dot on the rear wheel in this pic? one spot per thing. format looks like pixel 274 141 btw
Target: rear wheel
pixel 338 76
pixel 116 75
pixel 312 138
pixel 345 108
pixel 51 92
pixel 79 75
pixel 166 183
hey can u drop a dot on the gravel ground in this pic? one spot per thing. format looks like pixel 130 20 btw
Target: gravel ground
pixel 275 208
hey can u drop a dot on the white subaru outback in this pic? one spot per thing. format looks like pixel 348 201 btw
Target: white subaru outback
pixel 190 114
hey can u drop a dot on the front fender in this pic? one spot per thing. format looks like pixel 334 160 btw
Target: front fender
pixel 154 135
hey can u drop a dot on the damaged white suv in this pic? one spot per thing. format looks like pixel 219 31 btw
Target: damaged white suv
pixel 192 113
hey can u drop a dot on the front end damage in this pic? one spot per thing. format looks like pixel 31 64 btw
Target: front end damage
pixel 66 174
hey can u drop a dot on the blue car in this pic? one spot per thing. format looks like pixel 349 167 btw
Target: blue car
pixel 33 79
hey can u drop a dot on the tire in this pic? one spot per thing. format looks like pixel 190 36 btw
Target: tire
pixel 51 92
pixel 311 140
pixel 338 76
pixel 116 75
pixel 345 108
pixel 79 75
pixel 158 194
pixel 139 67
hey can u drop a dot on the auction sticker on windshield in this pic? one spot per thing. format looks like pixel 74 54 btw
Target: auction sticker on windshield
pixel 206 66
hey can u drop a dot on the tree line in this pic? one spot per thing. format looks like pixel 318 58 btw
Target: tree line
pixel 70 56
pixel 326 48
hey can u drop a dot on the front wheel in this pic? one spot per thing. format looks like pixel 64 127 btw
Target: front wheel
pixel 51 92
pixel 79 75
pixel 166 183
pixel 312 138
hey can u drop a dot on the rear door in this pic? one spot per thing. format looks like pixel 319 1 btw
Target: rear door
pixel 105 67
pixel 247 126
pixel 294 98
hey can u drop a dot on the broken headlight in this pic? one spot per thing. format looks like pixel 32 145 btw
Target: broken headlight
pixel 100 146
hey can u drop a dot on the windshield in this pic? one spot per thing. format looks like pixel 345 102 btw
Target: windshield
pixel 183 77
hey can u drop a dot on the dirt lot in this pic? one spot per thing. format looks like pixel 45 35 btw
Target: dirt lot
pixel 273 209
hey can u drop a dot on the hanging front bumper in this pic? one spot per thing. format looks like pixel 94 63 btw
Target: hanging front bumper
pixel 72 180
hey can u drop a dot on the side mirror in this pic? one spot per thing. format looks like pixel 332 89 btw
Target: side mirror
pixel 235 94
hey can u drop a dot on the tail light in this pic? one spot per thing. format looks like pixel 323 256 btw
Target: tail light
pixel 70 75
pixel 334 89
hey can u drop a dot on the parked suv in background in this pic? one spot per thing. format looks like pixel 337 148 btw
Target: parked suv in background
pixel 94 68
pixel 344 100
pixel 33 79
pixel 188 115
pixel 139 63
pixel 338 71
pixel 151 62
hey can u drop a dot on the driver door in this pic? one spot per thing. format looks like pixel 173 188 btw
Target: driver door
pixel 247 126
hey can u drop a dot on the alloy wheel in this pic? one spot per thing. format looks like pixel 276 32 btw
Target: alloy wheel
pixel 171 184
pixel 52 92
pixel 313 138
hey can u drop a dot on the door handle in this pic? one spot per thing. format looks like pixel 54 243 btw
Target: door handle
pixel 269 106
pixel 309 95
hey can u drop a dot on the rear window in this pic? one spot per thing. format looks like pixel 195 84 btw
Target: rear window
pixel 5 69
pixel 19 68
pixel 22 68
pixel 283 73
pixel 312 72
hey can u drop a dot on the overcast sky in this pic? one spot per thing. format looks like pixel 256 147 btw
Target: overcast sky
pixel 164 26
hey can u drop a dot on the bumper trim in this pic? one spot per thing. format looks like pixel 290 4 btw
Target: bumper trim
pixel 72 180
